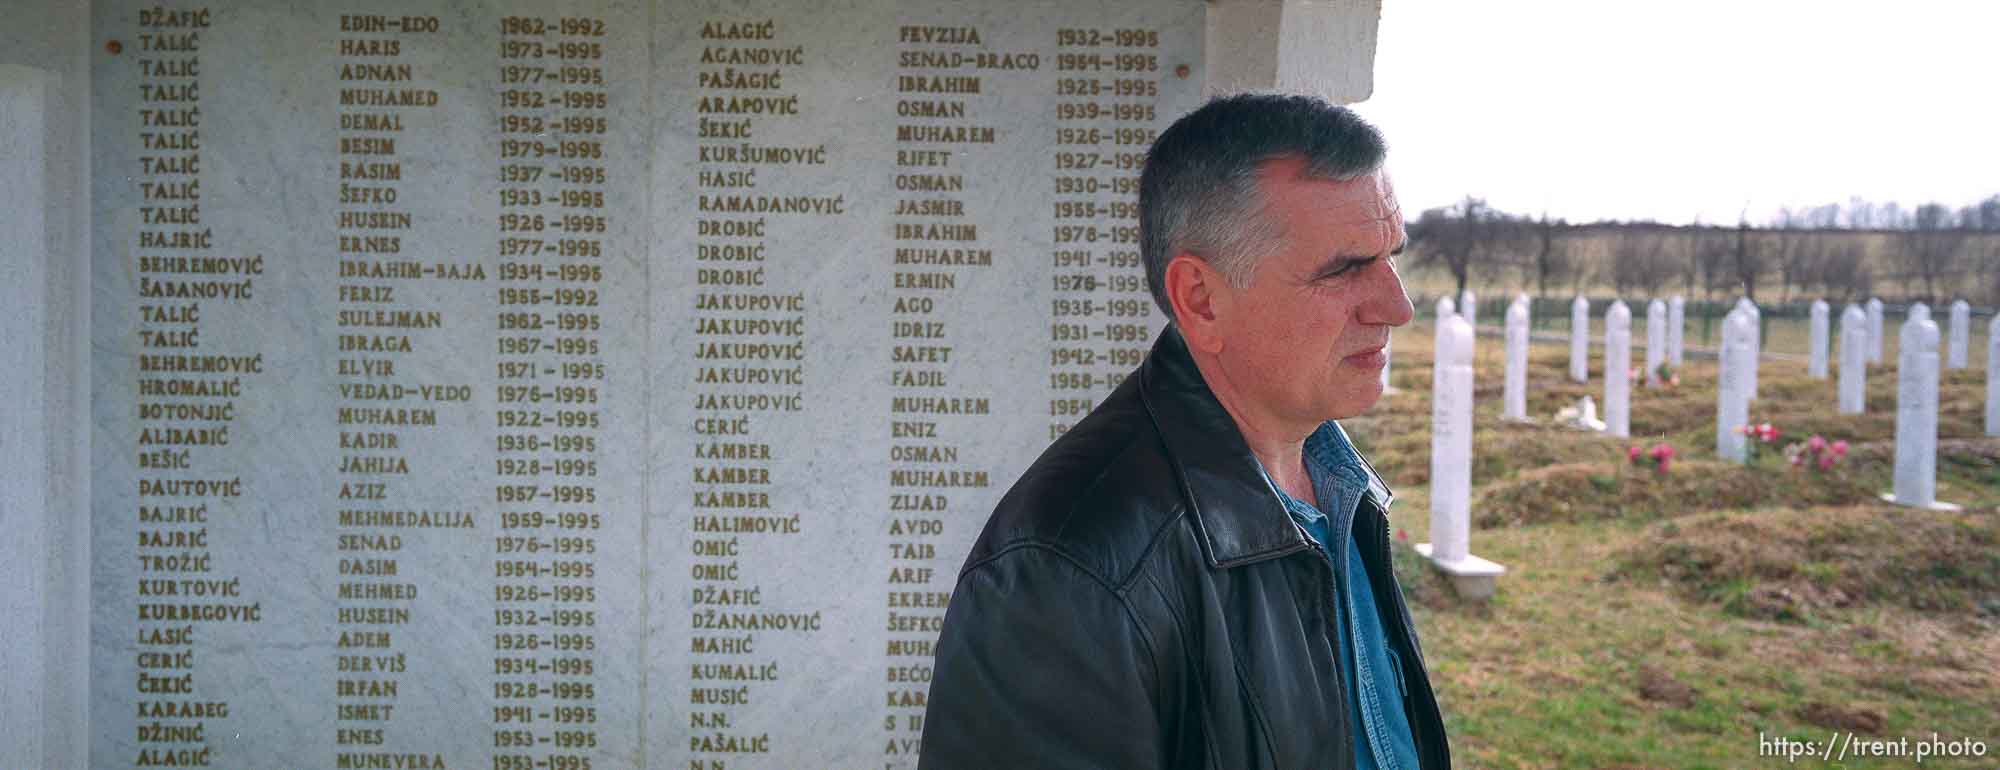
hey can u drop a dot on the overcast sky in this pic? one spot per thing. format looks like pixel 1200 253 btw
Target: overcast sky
pixel 1592 109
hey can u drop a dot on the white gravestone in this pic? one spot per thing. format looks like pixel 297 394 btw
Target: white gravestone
pixel 1732 392
pixel 1451 467
pixel 1817 340
pixel 1918 311
pixel 1388 355
pixel 1916 415
pixel 1993 376
pixel 1445 309
pixel 1853 360
pixel 1618 370
pixel 1515 403
pixel 1676 328
pixel 1656 341
pixel 1756 340
pixel 1468 306
pixel 1961 334
pixel 1874 330
pixel 1579 339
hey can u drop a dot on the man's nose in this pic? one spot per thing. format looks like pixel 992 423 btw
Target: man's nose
pixel 1383 300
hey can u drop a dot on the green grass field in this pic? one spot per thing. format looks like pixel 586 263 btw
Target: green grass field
pixel 1669 621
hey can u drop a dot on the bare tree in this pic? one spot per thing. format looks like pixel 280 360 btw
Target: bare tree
pixel 1747 260
pixel 1932 242
pixel 1641 258
pixel 1786 244
pixel 1710 250
pixel 1460 235
pixel 1553 257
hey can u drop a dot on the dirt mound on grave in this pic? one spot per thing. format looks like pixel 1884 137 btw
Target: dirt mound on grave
pixel 1401 449
pixel 1616 490
pixel 1788 564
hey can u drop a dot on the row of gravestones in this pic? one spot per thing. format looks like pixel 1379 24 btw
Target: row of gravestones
pixel 1861 341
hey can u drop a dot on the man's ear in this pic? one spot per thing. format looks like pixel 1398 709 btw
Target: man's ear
pixel 1201 300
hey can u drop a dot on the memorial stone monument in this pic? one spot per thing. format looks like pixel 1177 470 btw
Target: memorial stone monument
pixel 1446 308
pixel 1388 357
pixel 1756 340
pixel 1468 306
pixel 1451 466
pixel 1853 360
pixel 1817 339
pixel 1656 341
pixel 1732 392
pixel 1993 376
pixel 1618 370
pixel 1514 404
pixel 1961 335
pixel 1874 307
pixel 1579 339
pixel 1916 415
pixel 1918 311
pixel 597 384
pixel 1676 329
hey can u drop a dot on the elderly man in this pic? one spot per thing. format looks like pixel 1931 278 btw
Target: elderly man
pixel 1197 575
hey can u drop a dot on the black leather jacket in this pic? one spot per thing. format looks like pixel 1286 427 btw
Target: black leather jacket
pixel 1141 599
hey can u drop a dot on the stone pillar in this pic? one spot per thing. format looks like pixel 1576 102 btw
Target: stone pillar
pixel 1676 328
pixel 1756 340
pixel 1961 334
pixel 1618 370
pixel 1918 311
pixel 1916 414
pixel 1468 306
pixel 1853 360
pixel 1656 341
pixel 1321 47
pixel 1388 356
pixel 1993 376
pixel 1515 403
pixel 1817 341
pixel 1874 330
pixel 1732 391
pixel 1445 309
pixel 1451 466
pixel 1579 339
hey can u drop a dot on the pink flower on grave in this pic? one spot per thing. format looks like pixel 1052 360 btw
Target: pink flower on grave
pixel 1664 462
pixel 1826 462
pixel 1632 453
pixel 1840 448
pixel 1402 535
pixel 1662 451
pixel 1767 433
pixel 1816 443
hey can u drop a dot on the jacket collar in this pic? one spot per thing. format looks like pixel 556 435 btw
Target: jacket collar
pixel 1236 511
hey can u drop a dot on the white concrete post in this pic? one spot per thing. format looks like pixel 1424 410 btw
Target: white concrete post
pixel 1853 360
pixel 1451 466
pixel 1817 340
pixel 1961 334
pixel 1993 376
pixel 1388 357
pixel 1732 392
pixel 1515 403
pixel 1756 340
pixel 1916 414
pixel 1579 339
pixel 1874 330
pixel 1618 370
pixel 1676 328
pixel 1656 341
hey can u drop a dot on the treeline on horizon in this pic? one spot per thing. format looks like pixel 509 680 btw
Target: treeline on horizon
pixel 1844 253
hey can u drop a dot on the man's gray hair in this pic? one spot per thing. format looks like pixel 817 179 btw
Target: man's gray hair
pixel 1198 193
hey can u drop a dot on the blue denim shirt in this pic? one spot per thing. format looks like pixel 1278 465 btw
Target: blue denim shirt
pixel 1374 674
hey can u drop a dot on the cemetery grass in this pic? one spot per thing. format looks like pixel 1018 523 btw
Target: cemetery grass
pixel 1666 621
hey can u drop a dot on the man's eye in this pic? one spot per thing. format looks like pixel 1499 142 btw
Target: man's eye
pixel 1350 266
